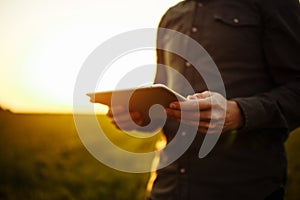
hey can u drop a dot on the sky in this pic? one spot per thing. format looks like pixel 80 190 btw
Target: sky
pixel 43 45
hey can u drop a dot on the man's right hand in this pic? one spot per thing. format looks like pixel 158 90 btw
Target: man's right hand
pixel 124 120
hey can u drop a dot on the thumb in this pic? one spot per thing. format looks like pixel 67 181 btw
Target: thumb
pixel 204 94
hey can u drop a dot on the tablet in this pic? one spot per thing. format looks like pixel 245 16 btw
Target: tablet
pixel 138 99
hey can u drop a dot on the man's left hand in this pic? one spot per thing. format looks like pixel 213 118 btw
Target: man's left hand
pixel 197 111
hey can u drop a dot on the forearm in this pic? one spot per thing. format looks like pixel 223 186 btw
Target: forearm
pixel 278 109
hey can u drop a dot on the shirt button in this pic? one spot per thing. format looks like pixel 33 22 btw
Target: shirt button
pixel 236 20
pixel 183 133
pixel 187 64
pixel 194 29
pixel 182 170
pixel 200 5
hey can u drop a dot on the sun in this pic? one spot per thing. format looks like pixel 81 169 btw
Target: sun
pixel 44 44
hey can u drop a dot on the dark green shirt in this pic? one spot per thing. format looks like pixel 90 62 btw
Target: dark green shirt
pixel 256 47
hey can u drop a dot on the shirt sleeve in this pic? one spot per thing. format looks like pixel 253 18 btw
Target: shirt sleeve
pixel 278 108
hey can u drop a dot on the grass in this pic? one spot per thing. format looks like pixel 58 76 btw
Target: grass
pixel 42 157
pixel 293 155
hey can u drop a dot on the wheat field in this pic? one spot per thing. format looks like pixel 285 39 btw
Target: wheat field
pixel 42 157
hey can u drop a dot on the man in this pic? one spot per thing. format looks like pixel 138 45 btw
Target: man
pixel 256 46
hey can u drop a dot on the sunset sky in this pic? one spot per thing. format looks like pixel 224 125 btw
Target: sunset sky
pixel 44 44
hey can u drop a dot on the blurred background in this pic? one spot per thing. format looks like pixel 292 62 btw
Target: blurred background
pixel 43 46
pixel 45 43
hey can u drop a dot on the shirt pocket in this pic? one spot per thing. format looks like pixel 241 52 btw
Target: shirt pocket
pixel 236 29
pixel 236 18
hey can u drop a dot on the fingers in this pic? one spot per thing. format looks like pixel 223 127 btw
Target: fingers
pixel 204 124
pixel 197 111
pixel 114 111
pixel 121 114
pixel 127 125
pixel 189 115
pixel 125 120
pixel 204 127
pixel 204 94
pixel 198 101
pixel 132 116
pixel 189 105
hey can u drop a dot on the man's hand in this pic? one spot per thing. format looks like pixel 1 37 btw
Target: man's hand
pixel 124 120
pixel 226 114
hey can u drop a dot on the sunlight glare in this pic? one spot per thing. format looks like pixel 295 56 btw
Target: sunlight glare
pixel 44 44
